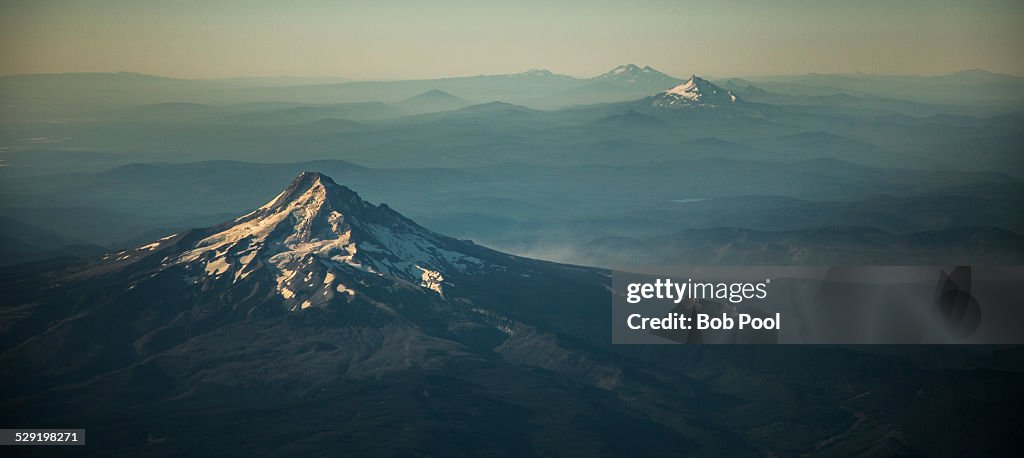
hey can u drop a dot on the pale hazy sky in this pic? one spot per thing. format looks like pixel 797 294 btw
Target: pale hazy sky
pixel 417 39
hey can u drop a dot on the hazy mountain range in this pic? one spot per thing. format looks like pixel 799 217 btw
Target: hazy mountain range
pixel 101 161
pixel 82 95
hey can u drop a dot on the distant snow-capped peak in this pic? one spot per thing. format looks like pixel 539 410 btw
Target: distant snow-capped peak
pixel 695 91
pixel 634 74
pixel 628 68
pixel 537 72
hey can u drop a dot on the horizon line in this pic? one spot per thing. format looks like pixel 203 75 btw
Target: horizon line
pixel 553 73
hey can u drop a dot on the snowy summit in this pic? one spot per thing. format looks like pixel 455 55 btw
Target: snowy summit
pixel 695 92
pixel 316 243
pixel 631 74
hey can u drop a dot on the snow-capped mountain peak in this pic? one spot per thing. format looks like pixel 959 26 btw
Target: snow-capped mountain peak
pixel 628 68
pixel 632 74
pixel 317 240
pixel 687 90
pixel 695 92
pixel 537 72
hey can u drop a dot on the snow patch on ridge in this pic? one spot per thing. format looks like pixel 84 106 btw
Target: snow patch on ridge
pixel 217 266
pixel 431 279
